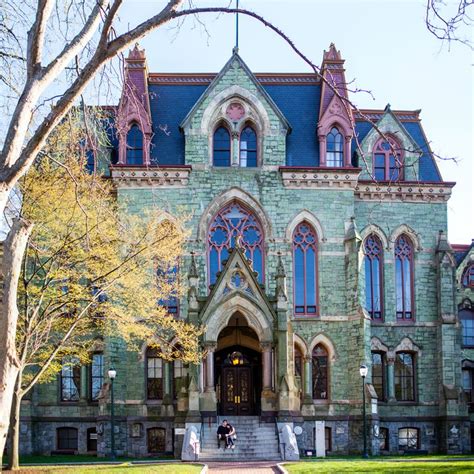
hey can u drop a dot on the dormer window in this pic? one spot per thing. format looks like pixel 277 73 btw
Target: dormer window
pixel 135 146
pixel 221 150
pixel 388 161
pixel 248 148
pixel 334 149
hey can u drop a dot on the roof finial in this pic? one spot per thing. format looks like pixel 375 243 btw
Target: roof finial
pixel 236 47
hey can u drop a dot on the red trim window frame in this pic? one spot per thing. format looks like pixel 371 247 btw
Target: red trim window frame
pixel 468 277
pixel 235 220
pixel 304 239
pixel 404 253
pixel 382 160
pixel 334 161
pixel 373 251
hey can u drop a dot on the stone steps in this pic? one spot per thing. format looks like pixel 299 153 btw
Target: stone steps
pixel 255 441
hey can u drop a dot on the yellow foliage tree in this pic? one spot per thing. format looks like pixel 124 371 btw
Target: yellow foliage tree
pixel 90 271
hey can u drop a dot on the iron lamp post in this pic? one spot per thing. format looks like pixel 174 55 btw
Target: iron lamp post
pixel 112 373
pixel 363 373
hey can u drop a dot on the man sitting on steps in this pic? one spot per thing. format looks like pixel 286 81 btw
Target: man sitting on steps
pixel 222 434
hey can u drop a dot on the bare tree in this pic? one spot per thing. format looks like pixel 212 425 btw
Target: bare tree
pixel 36 64
pixel 448 20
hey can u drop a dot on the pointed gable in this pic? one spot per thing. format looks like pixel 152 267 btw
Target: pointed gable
pixel 235 78
pixel 391 126
pixel 237 279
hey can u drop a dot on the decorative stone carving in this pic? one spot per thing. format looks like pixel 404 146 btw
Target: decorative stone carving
pixel 167 177
pixel 296 178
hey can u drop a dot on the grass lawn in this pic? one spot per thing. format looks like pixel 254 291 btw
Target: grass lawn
pixel 119 469
pixel 380 466
pixel 68 458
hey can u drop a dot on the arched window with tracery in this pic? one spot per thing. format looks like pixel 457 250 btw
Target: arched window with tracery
pixel 235 221
pixel 373 276
pixel 468 277
pixel 221 147
pixel 334 148
pixel 248 148
pixel 388 160
pixel 404 278
pixel 305 270
pixel 134 146
pixel 320 372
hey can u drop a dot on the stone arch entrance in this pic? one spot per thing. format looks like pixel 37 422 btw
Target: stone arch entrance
pixel 238 369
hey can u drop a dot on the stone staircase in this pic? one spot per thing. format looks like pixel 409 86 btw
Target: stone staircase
pixel 255 441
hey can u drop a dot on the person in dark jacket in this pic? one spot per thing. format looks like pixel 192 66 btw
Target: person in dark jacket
pixel 222 434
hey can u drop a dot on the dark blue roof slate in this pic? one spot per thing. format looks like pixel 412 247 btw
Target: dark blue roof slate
pixel 170 103
pixel 169 106
pixel 300 106
pixel 428 170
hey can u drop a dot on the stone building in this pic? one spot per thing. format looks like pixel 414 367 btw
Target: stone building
pixel 317 245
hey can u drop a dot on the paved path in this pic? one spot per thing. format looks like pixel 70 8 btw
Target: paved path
pixel 261 467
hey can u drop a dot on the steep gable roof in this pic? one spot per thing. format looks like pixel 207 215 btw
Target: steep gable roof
pixel 236 61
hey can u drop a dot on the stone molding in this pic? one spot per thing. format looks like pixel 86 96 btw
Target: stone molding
pixel 139 176
pixel 403 191
pixel 317 177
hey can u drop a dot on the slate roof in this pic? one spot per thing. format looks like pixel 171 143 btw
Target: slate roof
pixel 460 251
pixel 172 96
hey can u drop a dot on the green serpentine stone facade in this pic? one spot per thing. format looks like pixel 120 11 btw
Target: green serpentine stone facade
pixel 344 206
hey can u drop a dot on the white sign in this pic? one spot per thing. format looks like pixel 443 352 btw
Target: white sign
pixel 320 441
pixel 180 431
pixel 298 430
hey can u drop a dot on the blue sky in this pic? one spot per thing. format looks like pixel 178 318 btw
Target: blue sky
pixel 387 51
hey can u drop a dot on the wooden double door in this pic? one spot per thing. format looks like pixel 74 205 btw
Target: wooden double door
pixel 237 391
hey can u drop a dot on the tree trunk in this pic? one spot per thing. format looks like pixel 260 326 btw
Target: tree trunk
pixel 13 455
pixel 13 251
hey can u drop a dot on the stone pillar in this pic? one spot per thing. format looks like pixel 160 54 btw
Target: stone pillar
pixel 308 379
pixel 267 366
pixel 83 388
pixel 391 377
pixel 308 408
pixel 322 150
pixel 208 400
pixel 166 380
pixel 210 387
pixel 235 158
pixel 347 151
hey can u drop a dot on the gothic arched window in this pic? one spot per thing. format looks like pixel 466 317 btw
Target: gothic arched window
pixel 248 148
pixel 373 276
pixel 404 278
pixel 221 150
pixel 334 149
pixel 134 146
pixel 388 166
pixel 468 277
pixel 232 222
pixel 305 269
pixel 320 373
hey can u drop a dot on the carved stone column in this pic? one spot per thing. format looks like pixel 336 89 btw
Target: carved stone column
pixel 235 158
pixel 83 386
pixel 391 377
pixel 308 409
pixel 208 399
pixel 308 380
pixel 210 385
pixel 267 365
pixel 347 150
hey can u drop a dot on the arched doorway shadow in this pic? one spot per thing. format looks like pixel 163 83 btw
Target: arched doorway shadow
pixel 238 369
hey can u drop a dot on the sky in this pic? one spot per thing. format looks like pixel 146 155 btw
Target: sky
pixel 387 49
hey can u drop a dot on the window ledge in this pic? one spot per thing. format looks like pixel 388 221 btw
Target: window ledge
pixel 149 176
pixel 311 178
